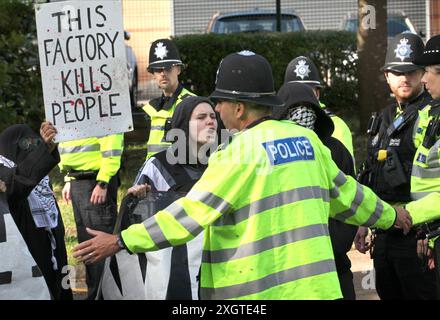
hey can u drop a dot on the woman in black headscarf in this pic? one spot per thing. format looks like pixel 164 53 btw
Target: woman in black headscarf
pixel 170 273
pixel 27 159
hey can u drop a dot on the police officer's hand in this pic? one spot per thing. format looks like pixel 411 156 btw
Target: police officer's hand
pixel 98 195
pixel 422 248
pixel 423 251
pixel 48 133
pixel 101 246
pixel 66 193
pixel 139 191
pixel 360 240
pixel 403 219
pixel 2 186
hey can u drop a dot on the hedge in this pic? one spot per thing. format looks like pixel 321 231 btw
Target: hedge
pixel 330 51
pixel 21 98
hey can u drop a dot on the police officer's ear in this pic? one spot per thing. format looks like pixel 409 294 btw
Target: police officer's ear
pixel 179 70
pixel 386 77
pixel 240 111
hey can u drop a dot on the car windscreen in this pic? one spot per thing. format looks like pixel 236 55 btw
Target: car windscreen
pixel 257 23
pixel 395 25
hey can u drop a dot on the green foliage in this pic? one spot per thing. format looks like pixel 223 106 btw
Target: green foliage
pixel 329 50
pixel 20 86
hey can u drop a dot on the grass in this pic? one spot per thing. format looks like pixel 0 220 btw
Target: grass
pixel 133 158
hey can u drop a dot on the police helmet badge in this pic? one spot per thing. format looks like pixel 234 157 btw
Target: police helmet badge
pixel 160 51
pixel 403 49
pixel 302 69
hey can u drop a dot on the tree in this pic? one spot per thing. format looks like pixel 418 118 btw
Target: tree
pixel 372 43
pixel 20 85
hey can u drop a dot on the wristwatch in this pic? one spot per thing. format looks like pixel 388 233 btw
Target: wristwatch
pixel 102 184
pixel 119 242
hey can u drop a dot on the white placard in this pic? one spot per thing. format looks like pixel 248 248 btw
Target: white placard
pixel 84 68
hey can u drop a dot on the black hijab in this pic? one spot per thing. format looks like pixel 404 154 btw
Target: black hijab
pixel 181 118
pixel 17 141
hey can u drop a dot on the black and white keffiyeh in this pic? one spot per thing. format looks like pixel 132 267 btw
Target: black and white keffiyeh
pixel 303 116
pixel 43 207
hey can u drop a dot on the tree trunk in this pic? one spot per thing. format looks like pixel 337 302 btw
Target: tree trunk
pixel 371 44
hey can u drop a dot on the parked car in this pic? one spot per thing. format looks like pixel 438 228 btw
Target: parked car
pixel 253 21
pixel 397 22
pixel 132 71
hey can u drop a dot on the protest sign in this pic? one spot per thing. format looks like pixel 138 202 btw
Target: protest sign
pixel 84 68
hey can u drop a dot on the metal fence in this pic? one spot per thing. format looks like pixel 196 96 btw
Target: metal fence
pixel 147 20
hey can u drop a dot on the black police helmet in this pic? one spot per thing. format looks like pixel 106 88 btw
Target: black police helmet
pixel 295 94
pixel 401 52
pixel 431 54
pixel 163 55
pixel 303 70
pixel 245 76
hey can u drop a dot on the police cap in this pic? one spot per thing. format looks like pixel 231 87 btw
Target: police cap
pixel 401 52
pixel 245 76
pixel 163 55
pixel 431 54
pixel 303 70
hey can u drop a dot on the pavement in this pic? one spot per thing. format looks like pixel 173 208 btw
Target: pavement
pixel 361 266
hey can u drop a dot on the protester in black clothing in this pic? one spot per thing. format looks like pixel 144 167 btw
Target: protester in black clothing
pixel 302 107
pixel 29 158
pixel 170 273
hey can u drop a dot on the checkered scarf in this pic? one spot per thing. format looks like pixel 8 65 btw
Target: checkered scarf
pixel 303 116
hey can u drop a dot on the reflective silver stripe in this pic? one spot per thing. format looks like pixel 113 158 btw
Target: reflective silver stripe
pixel 111 153
pixel 161 128
pixel 433 160
pixel 156 233
pixel 420 195
pixel 339 180
pixel 274 241
pixel 211 200
pixel 179 213
pixel 358 197
pixel 78 149
pixel 270 281
pixel 273 201
pixel 157 147
pixel 376 214
pixel 420 172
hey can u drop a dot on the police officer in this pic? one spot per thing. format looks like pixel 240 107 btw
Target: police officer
pixel 425 179
pixel 387 170
pixel 303 70
pixel 165 66
pixel 264 201
pixel 92 166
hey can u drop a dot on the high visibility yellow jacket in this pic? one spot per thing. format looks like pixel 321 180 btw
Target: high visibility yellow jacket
pixel 264 202
pixel 342 132
pixel 156 141
pixel 425 174
pixel 93 154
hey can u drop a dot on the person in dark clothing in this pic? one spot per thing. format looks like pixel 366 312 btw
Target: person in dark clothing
pixel 29 158
pixel 171 273
pixel 391 148
pixel 302 107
